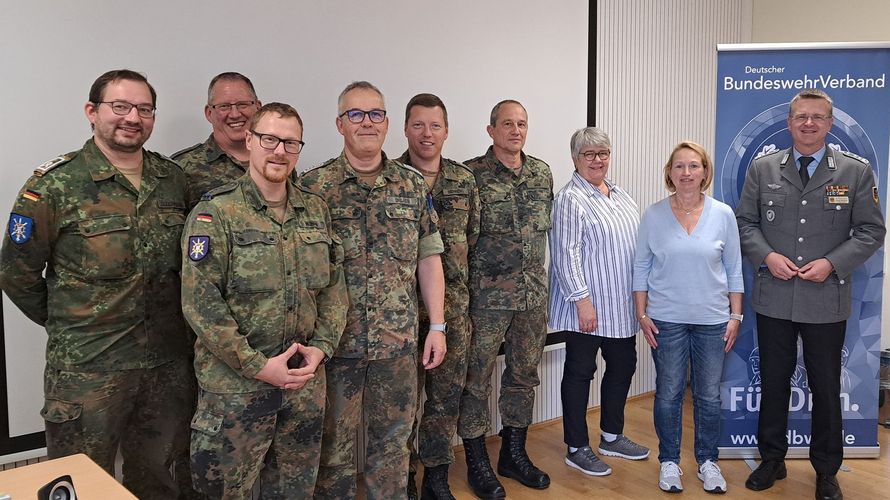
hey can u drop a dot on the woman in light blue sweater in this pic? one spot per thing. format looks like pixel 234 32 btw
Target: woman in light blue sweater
pixel 688 296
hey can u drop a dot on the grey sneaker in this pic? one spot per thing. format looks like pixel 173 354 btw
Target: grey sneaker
pixel 710 474
pixel 669 478
pixel 586 461
pixel 624 448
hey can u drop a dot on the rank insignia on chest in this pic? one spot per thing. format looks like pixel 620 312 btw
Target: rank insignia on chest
pixel 199 247
pixel 770 215
pixel 841 190
pixel 20 228
pixel 204 218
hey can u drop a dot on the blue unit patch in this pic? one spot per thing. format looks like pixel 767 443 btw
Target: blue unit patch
pixel 20 228
pixel 199 247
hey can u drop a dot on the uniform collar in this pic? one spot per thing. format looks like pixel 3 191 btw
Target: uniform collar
pixel 101 169
pixel 254 197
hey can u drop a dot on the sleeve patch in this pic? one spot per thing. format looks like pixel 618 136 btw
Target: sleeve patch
pixel 20 228
pixel 199 247
pixel 31 195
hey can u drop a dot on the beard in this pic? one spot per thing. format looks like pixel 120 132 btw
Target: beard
pixel 275 174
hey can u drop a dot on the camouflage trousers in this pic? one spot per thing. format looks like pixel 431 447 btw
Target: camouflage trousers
pixel 143 412
pixel 273 435
pixel 524 334
pixel 443 385
pixel 386 392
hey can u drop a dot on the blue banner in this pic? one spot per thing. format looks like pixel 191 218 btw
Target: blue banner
pixel 755 84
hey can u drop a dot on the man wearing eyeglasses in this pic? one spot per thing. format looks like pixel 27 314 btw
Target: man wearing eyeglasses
pixel 222 158
pixel 808 216
pixel 264 292
pixel 456 201
pixel 92 254
pixel 381 212
pixel 508 292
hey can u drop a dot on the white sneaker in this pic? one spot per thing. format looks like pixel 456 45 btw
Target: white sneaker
pixel 669 478
pixel 710 474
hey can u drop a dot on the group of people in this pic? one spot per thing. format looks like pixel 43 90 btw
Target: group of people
pixel 221 317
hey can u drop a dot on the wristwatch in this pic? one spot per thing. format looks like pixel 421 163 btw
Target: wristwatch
pixel 438 327
pixel 739 317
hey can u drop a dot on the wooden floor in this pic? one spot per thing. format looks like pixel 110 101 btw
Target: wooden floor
pixel 866 479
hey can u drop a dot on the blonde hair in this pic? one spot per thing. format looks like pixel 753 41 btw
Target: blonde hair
pixel 705 162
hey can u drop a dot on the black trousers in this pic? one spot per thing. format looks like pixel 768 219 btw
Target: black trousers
pixel 822 345
pixel 620 356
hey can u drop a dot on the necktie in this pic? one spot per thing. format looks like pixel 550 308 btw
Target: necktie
pixel 804 172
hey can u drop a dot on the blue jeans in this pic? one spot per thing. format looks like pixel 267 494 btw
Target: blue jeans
pixel 676 341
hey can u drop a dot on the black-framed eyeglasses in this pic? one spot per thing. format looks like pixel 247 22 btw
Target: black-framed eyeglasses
pixel 270 142
pixel 123 108
pixel 241 106
pixel 590 155
pixel 358 115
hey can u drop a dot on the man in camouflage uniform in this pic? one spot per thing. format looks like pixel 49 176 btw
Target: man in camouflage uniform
pixel 104 223
pixel 263 289
pixel 381 212
pixel 222 158
pixel 508 290
pixel 456 201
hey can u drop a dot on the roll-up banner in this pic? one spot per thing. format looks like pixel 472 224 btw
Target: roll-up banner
pixel 755 84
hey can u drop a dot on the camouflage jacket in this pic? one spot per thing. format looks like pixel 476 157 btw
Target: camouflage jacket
pixel 110 296
pixel 456 201
pixel 385 230
pixel 207 167
pixel 507 263
pixel 252 286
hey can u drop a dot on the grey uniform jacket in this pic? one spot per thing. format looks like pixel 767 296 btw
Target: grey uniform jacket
pixel 837 216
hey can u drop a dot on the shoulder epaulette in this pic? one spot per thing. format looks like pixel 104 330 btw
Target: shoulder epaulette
pixel 855 156
pixel 536 159
pixel 407 167
pixel 161 156
pixel 458 164
pixel 475 159
pixel 51 164
pixel 186 150
pixel 325 164
pixel 225 188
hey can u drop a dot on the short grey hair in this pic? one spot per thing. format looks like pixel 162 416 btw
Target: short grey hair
pixel 589 137
pixel 493 119
pixel 812 94
pixel 361 84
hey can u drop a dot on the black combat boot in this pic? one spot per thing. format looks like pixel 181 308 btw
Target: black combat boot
pixel 412 483
pixel 435 484
pixel 482 480
pixel 514 463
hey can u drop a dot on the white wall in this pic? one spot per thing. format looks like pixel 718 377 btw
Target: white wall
pixel 828 21
pixel 472 54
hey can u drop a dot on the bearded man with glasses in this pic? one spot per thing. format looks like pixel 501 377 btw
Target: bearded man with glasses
pixel 92 254
pixel 382 211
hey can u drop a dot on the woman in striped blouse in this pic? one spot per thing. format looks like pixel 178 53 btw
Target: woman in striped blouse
pixel 591 268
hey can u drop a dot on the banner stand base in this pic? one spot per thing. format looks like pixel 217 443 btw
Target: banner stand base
pixel 730 453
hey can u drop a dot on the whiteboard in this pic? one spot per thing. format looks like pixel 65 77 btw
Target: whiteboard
pixel 472 54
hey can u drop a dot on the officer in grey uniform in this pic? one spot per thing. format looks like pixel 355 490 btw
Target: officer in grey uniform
pixel 808 216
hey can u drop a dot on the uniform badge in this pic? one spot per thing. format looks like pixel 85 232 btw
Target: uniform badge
pixel 199 247
pixel 204 218
pixel 20 228
pixel 770 215
pixel 429 205
pixel 31 195
pixel 774 186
